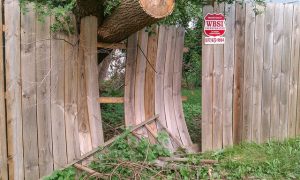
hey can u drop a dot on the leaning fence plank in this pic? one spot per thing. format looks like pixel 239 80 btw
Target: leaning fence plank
pixel 3 140
pixel 177 76
pixel 130 80
pixel 218 89
pixel 228 76
pixel 207 97
pixel 43 71
pixel 285 70
pixel 296 57
pixel 267 73
pixel 13 89
pixel 276 69
pixel 71 62
pixel 57 100
pixel 257 75
pixel 238 73
pixel 28 74
pixel 89 43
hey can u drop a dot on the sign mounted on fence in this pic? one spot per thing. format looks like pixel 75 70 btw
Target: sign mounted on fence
pixel 214 28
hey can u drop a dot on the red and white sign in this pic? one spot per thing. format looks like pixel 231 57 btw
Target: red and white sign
pixel 214 28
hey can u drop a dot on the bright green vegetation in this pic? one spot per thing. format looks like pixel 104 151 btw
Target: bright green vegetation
pixel 272 160
pixel 192 113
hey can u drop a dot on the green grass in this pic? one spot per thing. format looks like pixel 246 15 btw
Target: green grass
pixel 192 112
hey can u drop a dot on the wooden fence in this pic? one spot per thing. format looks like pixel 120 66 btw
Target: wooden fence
pixel 251 84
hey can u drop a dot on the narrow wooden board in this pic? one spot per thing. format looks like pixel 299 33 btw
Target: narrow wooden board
pixel 267 73
pixel 71 80
pixel 207 89
pixel 140 73
pixel 43 71
pixel 111 45
pixel 296 57
pixel 172 125
pixel 285 69
pixel 218 89
pixel 129 90
pixel 228 76
pixel 258 75
pixel 85 139
pixel 3 140
pixel 276 70
pixel 177 77
pixel 13 89
pixel 248 73
pixel 150 81
pixel 28 74
pixel 57 100
pixel 89 43
pixel 238 73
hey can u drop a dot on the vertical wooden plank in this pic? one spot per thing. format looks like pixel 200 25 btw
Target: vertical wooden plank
pixel 150 79
pixel 218 89
pixel 177 77
pixel 207 89
pixel 276 70
pixel 130 80
pixel 228 76
pixel 85 139
pixel 28 74
pixel 238 73
pixel 89 43
pixel 13 89
pixel 248 72
pixel 285 70
pixel 71 62
pixel 3 140
pixel 296 57
pixel 267 72
pixel 258 75
pixel 159 77
pixel 140 77
pixel 168 84
pixel 43 71
pixel 57 100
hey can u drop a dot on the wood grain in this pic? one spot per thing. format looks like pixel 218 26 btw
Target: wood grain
pixel 295 57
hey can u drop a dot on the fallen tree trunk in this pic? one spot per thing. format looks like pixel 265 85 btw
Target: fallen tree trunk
pixel 131 16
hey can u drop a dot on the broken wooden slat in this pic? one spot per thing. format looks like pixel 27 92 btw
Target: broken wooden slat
pixel 91 172
pixel 121 100
pixel 111 45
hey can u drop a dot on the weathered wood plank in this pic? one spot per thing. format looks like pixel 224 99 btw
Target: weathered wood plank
pixel 238 73
pixel 3 140
pixel 207 97
pixel 89 43
pixel 285 70
pixel 71 70
pixel 85 139
pixel 218 89
pixel 258 76
pixel 228 76
pixel 248 73
pixel 150 81
pixel 13 89
pixel 28 74
pixel 130 80
pixel 177 77
pixel 267 73
pixel 296 57
pixel 57 100
pixel 172 125
pixel 43 71
pixel 140 73
pixel 276 70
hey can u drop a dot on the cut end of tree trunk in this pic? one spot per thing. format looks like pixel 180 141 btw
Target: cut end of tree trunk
pixel 132 16
pixel 157 8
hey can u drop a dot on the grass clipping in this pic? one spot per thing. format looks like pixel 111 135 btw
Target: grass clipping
pixel 129 158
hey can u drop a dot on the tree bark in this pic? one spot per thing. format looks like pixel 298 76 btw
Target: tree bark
pixel 131 16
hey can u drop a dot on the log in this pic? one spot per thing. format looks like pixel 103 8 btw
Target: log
pixel 131 16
